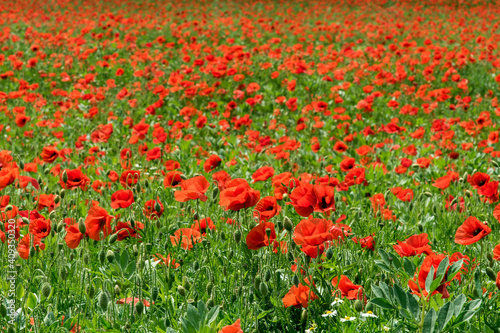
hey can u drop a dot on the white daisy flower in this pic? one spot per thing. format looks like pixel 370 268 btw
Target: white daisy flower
pixel 337 301
pixel 329 313
pixel 347 318
pixel 368 314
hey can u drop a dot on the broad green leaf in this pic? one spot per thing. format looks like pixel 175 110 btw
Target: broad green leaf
pixel 458 304
pixel 382 302
pixel 429 279
pixel 429 321
pixel 413 306
pixel 454 269
pixel 444 315
pixel 32 301
pixel 400 296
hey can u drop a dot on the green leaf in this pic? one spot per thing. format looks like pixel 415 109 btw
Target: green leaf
pixel 468 312
pixel 32 301
pixel 477 281
pixel 454 269
pixel 458 304
pixel 400 296
pixel 212 314
pixel 385 257
pixel 413 306
pixel 382 302
pixel 409 267
pixel 429 279
pixel 429 321
pixel 193 316
pixel 124 260
pixel 443 265
pixel 444 315
pixel 387 291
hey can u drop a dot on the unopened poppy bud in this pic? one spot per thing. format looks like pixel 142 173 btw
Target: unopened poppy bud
pixel 181 291
pixel 21 165
pixel 237 236
pixel 256 282
pixel 329 253
pixel 146 183
pixel 187 284
pixel 103 301
pixel 8 208
pixel 369 307
pixel 32 251
pixel 495 164
pixel 358 306
pixel 268 232
pixel 154 293
pixel 183 176
pixel 132 223
pixel 264 289
pixel 117 290
pixel 420 227
pixel 279 225
pixel 489 256
pixel 90 291
pixel 196 265
pixel 468 193
pixel 113 238
pixel 26 220
pixel 428 194
pixel 102 256
pixel 287 223
pixel 267 276
pixel 46 289
pixel 64 273
pixel 64 177
pixel 215 192
pixel 491 274
pixel 60 226
pixel 139 307
pixel 157 207
pixel 62 193
pixel 86 258
pixel 57 199
pixel 210 286
pixel 110 256
pixel 303 316
pixel 296 281
pixel 3 310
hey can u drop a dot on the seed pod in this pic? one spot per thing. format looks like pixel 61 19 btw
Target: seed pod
pixel 117 290
pixel 181 290
pixel 303 316
pixel 102 256
pixel 287 223
pixel 103 301
pixel 46 289
pixel 196 265
pixel 369 307
pixel 139 307
pixel 113 238
pixel 491 274
pixel 264 289
pixel 237 236
pixel 267 276
pixel 154 293
pixel 490 257
pixel 64 177
pixel 358 306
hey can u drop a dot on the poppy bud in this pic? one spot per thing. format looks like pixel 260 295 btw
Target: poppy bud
pixel 428 194
pixel 103 301
pixel 110 256
pixel 358 306
pixel 187 284
pixel 157 207
pixel 215 192
pixel 296 281
pixel 495 164
pixel 491 274
pixel 329 253
pixel 263 288
pixel 139 307
pixel 102 256
pixel 268 232
pixel 64 177
pixel 26 220
pixel 117 290
pixel 210 303
pixel 223 235
pixel 154 293
pixel 237 236
pixel 279 225
pixel 287 223
pixel 303 316
pixel 196 265
pixel 113 238
pixel 46 289
pixel 146 183
pixel 468 193
pixel 256 282
pixel 32 251
pixel 8 208
pixel 369 307
pixel 267 276
pixel 91 291
pixel 210 286
pixel 140 263
pixel 489 256
pixel 181 290
pixel 21 165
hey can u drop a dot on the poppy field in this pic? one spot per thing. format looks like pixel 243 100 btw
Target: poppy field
pixel 249 166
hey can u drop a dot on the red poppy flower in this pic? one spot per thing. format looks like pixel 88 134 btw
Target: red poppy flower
pixel 122 199
pixel 98 220
pixel 23 247
pixel 221 178
pixel 49 154
pixel 303 199
pixel 325 199
pixel 347 164
pixel 202 225
pixel 263 174
pixel 405 195
pixel 418 281
pixel 471 231
pixel 283 183
pixel 300 296
pixel 478 179
pixel 378 202
pixel 414 245
pixel 266 208
pixel 238 195
pixel 40 227
pixel 136 300
pixel 76 178
pixel 7 177
pixel 496 252
pixel 150 208
pixel 125 230
pixel 172 179
pixel 347 288
pixel 193 189
pixel 74 236
pixel 47 200
pixel 187 237
pixel 166 261
pixel 211 163
pixel 234 328
pixel 257 237
pixel 443 182
pixel 366 242
pixel 172 165
pixel 129 178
